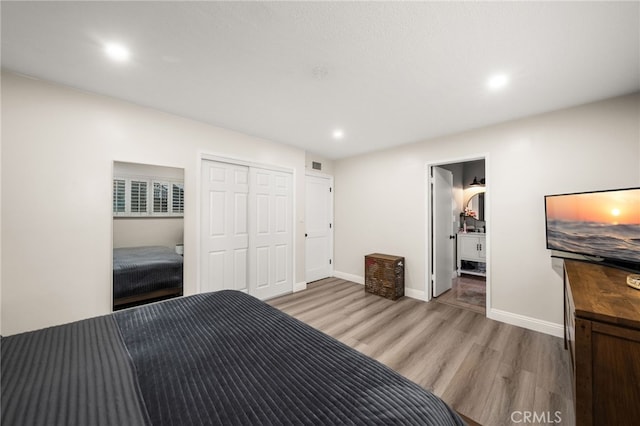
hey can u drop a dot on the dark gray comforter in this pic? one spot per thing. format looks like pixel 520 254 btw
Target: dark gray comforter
pixel 217 358
pixel 139 270
pixel 77 374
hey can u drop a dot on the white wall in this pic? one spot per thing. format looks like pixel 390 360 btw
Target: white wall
pixel 136 232
pixel 58 148
pixel 147 170
pixel 380 198
pixel 327 165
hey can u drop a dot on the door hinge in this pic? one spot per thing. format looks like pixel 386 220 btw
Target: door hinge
pixel 329 189
pixel 329 226
pixel 329 261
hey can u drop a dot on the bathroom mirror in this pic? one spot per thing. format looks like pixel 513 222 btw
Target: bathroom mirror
pixel 148 231
pixel 476 206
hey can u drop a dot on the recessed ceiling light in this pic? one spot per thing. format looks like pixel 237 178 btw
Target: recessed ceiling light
pixel 498 81
pixel 338 134
pixel 117 52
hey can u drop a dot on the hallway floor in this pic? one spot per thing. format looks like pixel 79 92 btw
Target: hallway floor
pixel 467 292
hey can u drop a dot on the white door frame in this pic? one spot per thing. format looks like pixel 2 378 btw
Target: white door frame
pixel 331 220
pixel 241 162
pixel 428 289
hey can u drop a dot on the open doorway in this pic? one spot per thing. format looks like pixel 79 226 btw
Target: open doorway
pixel 458 231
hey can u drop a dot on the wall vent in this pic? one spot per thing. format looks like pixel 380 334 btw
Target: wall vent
pixel 316 166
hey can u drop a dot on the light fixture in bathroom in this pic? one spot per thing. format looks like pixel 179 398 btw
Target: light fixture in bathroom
pixel 477 182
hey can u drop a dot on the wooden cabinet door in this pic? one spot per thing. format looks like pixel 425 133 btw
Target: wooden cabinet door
pixel 470 248
pixel 616 375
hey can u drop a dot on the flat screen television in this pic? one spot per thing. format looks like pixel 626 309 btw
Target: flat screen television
pixel 600 226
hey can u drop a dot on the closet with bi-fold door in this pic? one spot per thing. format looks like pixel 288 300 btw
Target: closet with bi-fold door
pixel 246 229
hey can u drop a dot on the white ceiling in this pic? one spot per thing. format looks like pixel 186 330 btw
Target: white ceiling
pixel 388 73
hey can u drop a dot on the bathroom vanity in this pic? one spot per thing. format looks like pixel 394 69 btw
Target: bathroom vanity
pixel 471 248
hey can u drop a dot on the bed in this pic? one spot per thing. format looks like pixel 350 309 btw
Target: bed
pixel 142 274
pixel 222 358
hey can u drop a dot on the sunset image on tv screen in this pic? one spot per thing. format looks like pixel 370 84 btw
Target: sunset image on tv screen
pixel 605 224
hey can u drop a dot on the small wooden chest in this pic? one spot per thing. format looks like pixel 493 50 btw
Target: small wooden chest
pixel 384 275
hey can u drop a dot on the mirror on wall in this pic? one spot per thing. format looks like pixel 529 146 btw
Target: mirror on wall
pixel 148 230
pixel 475 206
pixel 473 217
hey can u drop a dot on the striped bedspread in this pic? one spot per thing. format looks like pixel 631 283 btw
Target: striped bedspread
pixel 139 270
pixel 221 358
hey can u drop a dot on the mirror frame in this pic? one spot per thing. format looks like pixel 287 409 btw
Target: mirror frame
pixel 480 214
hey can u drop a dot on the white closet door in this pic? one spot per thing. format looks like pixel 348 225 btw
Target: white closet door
pixel 271 241
pixel 318 228
pixel 224 238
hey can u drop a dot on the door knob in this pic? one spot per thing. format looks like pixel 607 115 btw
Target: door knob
pixel 451 237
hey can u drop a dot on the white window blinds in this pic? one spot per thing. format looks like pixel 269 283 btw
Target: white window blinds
pixel 133 196
pixel 119 197
pixel 177 197
pixel 160 197
pixel 138 196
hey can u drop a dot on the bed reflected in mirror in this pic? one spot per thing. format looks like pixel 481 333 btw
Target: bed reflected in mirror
pixel 148 230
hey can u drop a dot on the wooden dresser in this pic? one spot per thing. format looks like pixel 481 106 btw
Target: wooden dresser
pixel 602 332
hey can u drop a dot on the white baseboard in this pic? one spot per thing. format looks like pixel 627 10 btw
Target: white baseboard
pixel 409 292
pixel 349 277
pixel 299 286
pixel 495 314
pixel 415 294
pixel 527 322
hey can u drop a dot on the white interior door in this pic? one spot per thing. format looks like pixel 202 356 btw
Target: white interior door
pixel 443 238
pixel 318 231
pixel 225 238
pixel 271 236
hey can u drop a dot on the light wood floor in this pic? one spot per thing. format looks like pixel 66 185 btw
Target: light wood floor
pixel 484 369
pixel 468 292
